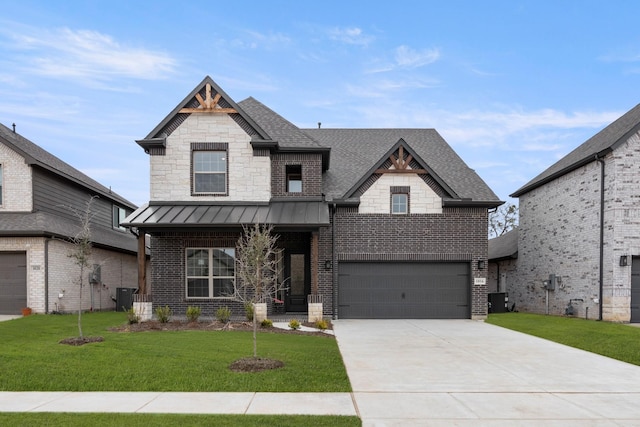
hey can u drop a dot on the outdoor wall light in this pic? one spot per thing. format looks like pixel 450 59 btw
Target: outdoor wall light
pixel 327 264
pixel 481 265
pixel 623 261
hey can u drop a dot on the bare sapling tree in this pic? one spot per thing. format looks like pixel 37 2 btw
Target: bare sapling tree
pixel 258 270
pixel 502 220
pixel 82 247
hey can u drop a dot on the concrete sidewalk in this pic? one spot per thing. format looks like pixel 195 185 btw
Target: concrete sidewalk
pixel 180 403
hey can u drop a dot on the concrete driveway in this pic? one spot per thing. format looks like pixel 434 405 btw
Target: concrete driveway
pixel 469 373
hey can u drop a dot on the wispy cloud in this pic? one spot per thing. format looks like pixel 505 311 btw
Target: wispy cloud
pixel 410 58
pixel 350 35
pixel 406 58
pixel 257 40
pixel 84 55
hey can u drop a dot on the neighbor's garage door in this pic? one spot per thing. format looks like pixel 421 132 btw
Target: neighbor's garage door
pixel 13 282
pixel 403 290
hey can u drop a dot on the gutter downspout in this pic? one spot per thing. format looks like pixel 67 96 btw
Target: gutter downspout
pixel 334 259
pixel 601 266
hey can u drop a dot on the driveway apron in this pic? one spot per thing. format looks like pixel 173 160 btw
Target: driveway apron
pixel 470 373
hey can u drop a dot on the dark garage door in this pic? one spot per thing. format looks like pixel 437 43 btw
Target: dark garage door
pixel 13 282
pixel 403 290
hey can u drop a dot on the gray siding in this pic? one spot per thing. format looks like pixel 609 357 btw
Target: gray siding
pixel 58 196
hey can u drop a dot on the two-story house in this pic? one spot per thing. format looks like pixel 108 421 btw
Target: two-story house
pixel 579 230
pixel 375 223
pixel 40 196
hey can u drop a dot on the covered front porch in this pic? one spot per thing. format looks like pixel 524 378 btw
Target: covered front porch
pixel 176 229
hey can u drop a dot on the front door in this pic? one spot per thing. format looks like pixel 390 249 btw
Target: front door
pixel 296 269
pixel 635 289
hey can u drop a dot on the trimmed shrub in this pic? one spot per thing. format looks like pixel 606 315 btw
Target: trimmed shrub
pixel 294 324
pixel 223 314
pixel 193 314
pixel 267 323
pixel 163 314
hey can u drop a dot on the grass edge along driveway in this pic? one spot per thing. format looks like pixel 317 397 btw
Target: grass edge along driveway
pixel 188 361
pixel 160 420
pixel 615 340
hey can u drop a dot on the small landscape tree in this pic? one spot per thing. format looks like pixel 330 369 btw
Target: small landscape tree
pixel 81 252
pixel 258 269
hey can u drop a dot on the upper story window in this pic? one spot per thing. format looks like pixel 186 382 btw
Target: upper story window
pixel 400 200
pixel 294 179
pixel 119 214
pixel 209 172
pixel 210 272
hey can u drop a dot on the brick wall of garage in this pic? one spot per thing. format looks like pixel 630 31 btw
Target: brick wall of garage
pixel 458 234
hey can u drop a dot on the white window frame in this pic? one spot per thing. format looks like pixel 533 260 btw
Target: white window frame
pixel 294 178
pixel 395 198
pixel 196 172
pixel 210 277
pixel 119 214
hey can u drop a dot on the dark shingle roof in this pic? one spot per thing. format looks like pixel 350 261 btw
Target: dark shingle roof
pixel 599 144
pixel 504 247
pixel 50 225
pixel 279 129
pixel 355 151
pixel 35 155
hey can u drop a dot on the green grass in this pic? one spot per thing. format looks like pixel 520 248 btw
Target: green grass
pixel 151 420
pixel 32 359
pixel 614 340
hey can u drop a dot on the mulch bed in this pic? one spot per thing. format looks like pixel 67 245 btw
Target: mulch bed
pixel 81 341
pixel 154 325
pixel 255 364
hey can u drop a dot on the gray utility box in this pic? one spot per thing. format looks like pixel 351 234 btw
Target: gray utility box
pixel 124 298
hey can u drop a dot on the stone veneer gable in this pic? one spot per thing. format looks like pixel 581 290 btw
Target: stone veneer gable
pixel 377 198
pixel 248 174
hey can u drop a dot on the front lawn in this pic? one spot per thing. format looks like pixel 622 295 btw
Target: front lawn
pixel 197 361
pixel 614 340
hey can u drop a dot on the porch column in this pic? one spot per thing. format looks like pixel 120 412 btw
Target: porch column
pixel 314 263
pixel 142 264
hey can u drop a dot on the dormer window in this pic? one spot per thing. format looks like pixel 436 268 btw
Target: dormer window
pixel 400 200
pixel 294 179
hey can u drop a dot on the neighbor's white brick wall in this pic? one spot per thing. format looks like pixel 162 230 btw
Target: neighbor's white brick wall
pixel 623 211
pixel 16 182
pixel 377 198
pixel 559 233
pixel 249 176
pixel 117 270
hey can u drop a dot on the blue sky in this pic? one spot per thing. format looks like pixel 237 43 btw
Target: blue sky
pixel 511 85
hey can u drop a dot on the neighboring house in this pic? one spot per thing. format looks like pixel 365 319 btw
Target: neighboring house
pixel 375 223
pixel 503 265
pixel 503 257
pixel 579 230
pixel 38 195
